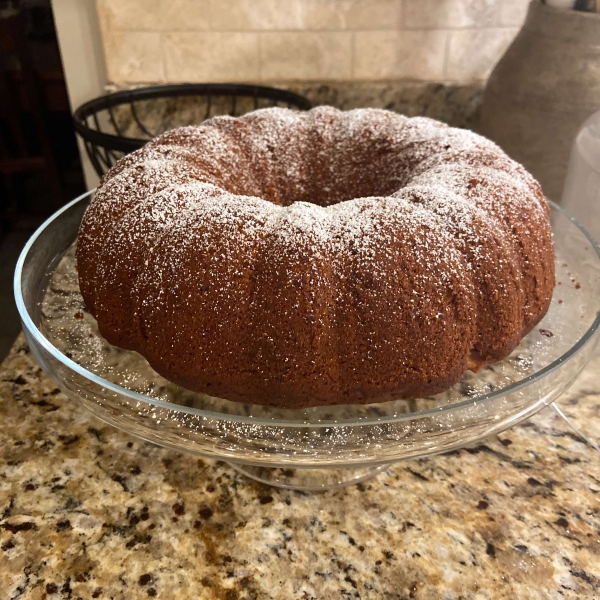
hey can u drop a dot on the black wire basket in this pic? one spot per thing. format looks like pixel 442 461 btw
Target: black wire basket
pixel 115 125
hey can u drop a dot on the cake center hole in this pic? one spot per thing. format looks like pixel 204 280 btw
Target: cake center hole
pixel 328 178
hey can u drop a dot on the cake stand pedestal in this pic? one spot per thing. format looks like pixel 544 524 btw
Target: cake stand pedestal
pixel 309 480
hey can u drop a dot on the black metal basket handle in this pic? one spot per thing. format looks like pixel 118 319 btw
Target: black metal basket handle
pixel 104 148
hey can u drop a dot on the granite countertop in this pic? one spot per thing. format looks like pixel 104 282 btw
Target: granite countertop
pixel 87 511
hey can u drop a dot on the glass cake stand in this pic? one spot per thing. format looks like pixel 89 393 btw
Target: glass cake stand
pixel 314 448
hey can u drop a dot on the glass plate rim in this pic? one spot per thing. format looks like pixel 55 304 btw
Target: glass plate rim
pixel 29 325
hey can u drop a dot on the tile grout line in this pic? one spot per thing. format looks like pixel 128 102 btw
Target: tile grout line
pixel 311 31
pixel 352 54
pixel 446 53
pixel 259 50
pixel 163 61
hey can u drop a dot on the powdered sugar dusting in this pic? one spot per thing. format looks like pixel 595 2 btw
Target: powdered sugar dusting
pixel 210 247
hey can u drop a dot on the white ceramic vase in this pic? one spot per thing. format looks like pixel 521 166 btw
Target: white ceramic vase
pixel 543 89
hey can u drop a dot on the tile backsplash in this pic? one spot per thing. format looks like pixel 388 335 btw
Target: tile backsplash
pixel 151 41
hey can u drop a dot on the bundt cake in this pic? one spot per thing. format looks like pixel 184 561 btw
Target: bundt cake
pixel 298 259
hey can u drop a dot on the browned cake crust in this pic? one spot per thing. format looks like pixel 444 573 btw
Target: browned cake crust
pixel 298 259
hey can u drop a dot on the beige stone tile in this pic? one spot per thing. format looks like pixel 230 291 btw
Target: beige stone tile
pixel 211 56
pixel 133 57
pixel 472 54
pixel 433 14
pixel 248 15
pixel 513 13
pixel 399 54
pixel 353 14
pixel 103 16
pixel 305 55
pixel 421 54
pixel 155 15
pixel 375 54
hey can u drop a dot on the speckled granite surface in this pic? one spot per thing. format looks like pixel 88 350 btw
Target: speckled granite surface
pixel 88 512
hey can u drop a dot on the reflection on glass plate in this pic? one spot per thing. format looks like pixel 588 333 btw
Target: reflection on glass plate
pixel 66 323
pixel 277 445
